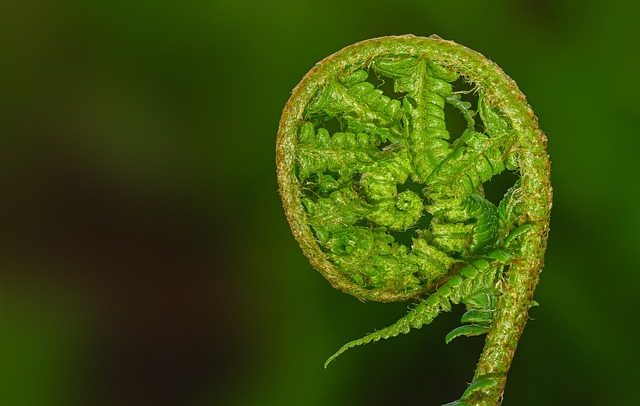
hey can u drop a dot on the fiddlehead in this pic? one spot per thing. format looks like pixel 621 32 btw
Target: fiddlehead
pixel 349 194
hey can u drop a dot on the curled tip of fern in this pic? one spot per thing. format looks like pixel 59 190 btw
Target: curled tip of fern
pixel 389 207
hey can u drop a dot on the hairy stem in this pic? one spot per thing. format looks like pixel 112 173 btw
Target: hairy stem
pixel 502 338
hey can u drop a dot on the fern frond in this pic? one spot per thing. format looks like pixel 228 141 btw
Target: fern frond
pixel 479 276
pixel 368 94
pixel 455 99
pixel 342 153
pixel 467 331
pixel 427 87
pixel 353 106
pixel 471 164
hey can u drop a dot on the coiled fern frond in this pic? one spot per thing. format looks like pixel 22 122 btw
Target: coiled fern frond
pixel 389 205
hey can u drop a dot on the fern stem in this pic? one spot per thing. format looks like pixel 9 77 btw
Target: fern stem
pixel 521 279
pixel 502 338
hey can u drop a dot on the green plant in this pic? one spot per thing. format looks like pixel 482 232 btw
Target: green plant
pixel 388 207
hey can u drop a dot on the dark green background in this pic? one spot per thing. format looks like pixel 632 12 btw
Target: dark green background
pixel 145 258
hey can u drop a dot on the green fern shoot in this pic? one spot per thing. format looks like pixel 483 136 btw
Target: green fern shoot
pixel 388 202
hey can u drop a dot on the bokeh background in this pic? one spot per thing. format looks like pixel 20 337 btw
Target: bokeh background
pixel 144 255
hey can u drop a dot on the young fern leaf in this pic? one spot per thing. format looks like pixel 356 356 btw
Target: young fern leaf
pixel 479 315
pixel 353 205
pixel 477 277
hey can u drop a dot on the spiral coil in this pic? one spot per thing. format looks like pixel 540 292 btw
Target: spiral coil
pixel 388 168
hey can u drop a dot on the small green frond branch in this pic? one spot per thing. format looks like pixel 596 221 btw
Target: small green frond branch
pixel 478 277
pixel 388 208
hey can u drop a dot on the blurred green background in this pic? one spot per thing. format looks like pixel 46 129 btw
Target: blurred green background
pixel 144 255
